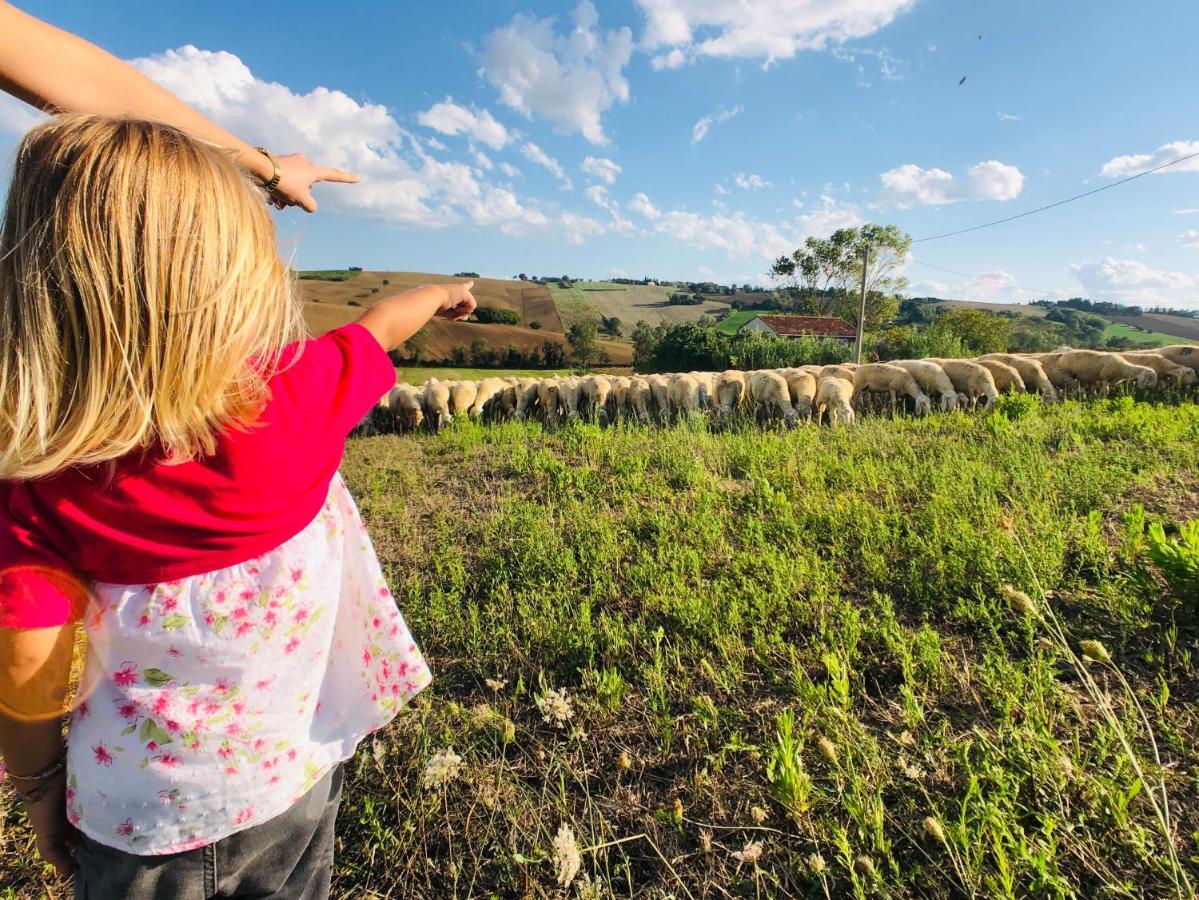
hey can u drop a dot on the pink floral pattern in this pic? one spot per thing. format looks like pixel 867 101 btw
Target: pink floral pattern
pixel 218 700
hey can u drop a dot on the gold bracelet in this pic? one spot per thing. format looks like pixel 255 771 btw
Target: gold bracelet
pixel 38 791
pixel 274 182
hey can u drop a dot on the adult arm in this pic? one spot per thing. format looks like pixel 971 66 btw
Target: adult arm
pixel 394 320
pixel 59 72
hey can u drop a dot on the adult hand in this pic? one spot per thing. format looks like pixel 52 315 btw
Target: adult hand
pixel 53 834
pixel 459 302
pixel 298 175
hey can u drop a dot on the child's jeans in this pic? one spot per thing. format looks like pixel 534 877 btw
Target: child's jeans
pixel 291 857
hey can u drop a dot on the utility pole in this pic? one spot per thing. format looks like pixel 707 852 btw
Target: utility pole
pixel 862 305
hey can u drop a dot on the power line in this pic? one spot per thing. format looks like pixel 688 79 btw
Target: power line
pixel 968 275
pixel 1106 187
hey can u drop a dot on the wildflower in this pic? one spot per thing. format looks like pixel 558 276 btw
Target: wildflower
pixel 816 863
pixel 933 829
pixel 624 762
pixel 566 855
pixel 758 814
pixel 676 811
pixel 705 840
pixel 507 731
pixel 1019 600
pixel 481 713
pixel 827 748
pixel 587 889
pixel 864 866
pixel 441 769
pixel 555 707
pixel 751 853
pixel 1094 651
pixel 496 684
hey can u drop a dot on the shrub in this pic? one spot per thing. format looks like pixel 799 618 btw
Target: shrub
pixel 353 303
pixel 495 315
pixel 1177 557
pixel 535 325
pixel 386 281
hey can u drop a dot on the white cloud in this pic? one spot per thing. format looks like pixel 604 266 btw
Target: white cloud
pixel 1189 238
pixel 1185 212
pixel 603 169
pixel 740 236
pixel 762 29
pixel 700 129
pixel 482 160
pixel 992 285
pixel 533 153
pixel 578 228
pixel 641 204
pixel 909 185
pixel 434 144
pixel 1138 163
pixel 447 117
pixel 675 59
pixel 750 182
pixel 400 187
pixel 1129 279
pixel 1008 117
pixel 510 170
pixel 16 117
pixel 570 79
pixel 598 194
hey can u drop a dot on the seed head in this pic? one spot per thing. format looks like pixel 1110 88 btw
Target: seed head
pixel 1094 651
pixel 441 769
pixel 933 829
pixel 624 762
pixel 758 814
pixel 1020 601
pixel 751 853
pixel 864 866
pixel 816 863
pixel 566 855
pixel 705 840
pixel 827 748
pixel 676 811
pixel 496 684
pixel 1005 522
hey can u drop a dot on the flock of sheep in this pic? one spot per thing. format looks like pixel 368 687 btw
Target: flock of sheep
pixel 793 395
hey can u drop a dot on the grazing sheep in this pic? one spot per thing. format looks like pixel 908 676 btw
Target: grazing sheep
pixel 1005 376
pixel 549 400
pixel 932 380
pixel 971 379
pixel 437 403
pixel 770 396
pixel 1032 373
pixel 1182 354
pixel 595 391
pixel 659 386
pixel 462 395
pixel 487 391
pixel 570 394
pixel 404 403
pixel 618 400
pixel 525 396
pixel 730 392
pixel 835 395
pixel 883 378
pixel 707 388
pixel 842 370
pixel 801 388
pixel 641 398
pixel 1183 376
pixel 1061 380
pixel 1102 370
pixel 682 395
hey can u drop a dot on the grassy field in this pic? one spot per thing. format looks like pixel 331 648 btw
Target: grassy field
pixel 328 274
pixel 1148 338
pixel 792 662
pixel 733 322
pixel 631 303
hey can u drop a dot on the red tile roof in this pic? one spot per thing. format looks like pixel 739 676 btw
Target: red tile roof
pixel 817 326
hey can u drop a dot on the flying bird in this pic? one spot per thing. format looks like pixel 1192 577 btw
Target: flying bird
pixel 963 81
pixel 980 35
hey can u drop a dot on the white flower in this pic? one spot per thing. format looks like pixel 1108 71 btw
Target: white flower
pixel 555 707
pixel 441 769
pixel 496 684
pixel 751 854
pixel 566 855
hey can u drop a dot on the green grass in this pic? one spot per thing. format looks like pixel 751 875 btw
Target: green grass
pixel 734 321
pixel 1148 338
pixel 599 286
pixel 795 638
pixel 328 274
pixel 573 305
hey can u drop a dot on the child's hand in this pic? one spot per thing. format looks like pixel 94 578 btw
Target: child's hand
pixel 459 302
pixel 53 834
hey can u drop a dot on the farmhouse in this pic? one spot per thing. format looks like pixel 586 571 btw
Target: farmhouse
pixel 829 327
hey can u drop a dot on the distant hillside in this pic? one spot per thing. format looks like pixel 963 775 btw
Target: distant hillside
pixel 1150 329
pixel 328 304
pixel 586 301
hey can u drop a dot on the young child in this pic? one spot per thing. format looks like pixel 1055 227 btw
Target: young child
pixel 169 447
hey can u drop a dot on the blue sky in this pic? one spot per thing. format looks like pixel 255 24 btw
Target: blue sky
pixel 700 138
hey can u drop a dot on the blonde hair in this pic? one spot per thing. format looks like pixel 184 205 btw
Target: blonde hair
pixel 143 304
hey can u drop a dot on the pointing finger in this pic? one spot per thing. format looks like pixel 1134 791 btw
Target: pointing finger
pixel 338 175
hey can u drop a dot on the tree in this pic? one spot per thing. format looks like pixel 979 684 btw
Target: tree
pixel 496 315
pixel 978 330
pixel 534 324
pixel 645 342
pixel 478 352
pixel 553 355
pixel 458 354
pixel 584 347
pixel 417 345
pixel 610 325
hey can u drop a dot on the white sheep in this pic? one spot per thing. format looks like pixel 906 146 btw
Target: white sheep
pixel 1032 373
pixel 548 399
pixel 835 396
pixel 883 378
pixel 932 380
pixel 641 398
pixel 404 401
pixel 1183 376
pixel 971 379
pixel 841 370
pixel 730 392
pixel 525 396
pixel 437 403
pixel 1103 371
pixel 485 396
pixel 1182 354
pixel 1005 375
pixel 595 391
pixel 769 394
pixel 706 381
pixel 462 395
pixel 659 386
pixel 618 400
pixel 682 396
pixel 801 388
pixel 570 394
pixel 1061 380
